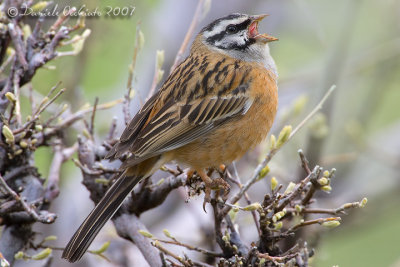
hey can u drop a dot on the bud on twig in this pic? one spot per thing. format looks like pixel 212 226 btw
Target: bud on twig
pixel 274 183
pixel 278 225
pixel 42 254
pixel 160 58
pixel 331 224
pixel 363 202
pixel 19 255
pixel 263 173
pixel 289 188
pixel 11 97
pixel 272 142
pixel 103 248
pixel 326 188
pixel 323 181
pixel 167 234
pixel 145 234
pixel 284 135
pixel 279 215
pixel 253 206
pixel 140 39
pixel 8 134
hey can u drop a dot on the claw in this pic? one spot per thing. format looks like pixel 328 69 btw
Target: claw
pixel 207 197
pixel 212 184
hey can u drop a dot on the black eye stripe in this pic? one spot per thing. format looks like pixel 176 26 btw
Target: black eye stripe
pixel 215 38
pixel 239 47
pixel 242 26
pixel 219 36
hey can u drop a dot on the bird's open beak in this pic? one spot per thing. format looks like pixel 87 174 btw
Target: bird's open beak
pixel 253 30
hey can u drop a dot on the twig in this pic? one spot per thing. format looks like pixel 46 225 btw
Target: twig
pixel 314 184
pixel 91 126
pixel 16 37
pixel 113 127
pixel 85 169
pixel 47 219
pixel 310 222
pixel 201 250
pixel 155 81
pixel 21 170
pixel 247 198
pixel 299 189
pixel 304 161
pixel 8 61
pixel 61 19
pixel 171 171
pixel 170 253
pixel 17 105
pixel 94 252
pixel 338 211
pixel 127 100
pixel 314 111
pixel 55 115
pixel 192 27
pixel 42 107
pixel 42 136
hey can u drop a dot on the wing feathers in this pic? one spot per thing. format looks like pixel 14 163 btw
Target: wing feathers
pixel 198 118
pixel 172 118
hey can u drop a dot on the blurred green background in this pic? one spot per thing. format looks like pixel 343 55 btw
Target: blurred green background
pixel 353 44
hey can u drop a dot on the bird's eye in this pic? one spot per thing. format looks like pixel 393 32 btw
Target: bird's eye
pixel 232 29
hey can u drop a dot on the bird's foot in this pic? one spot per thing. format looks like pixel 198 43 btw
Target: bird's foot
pixel 213 184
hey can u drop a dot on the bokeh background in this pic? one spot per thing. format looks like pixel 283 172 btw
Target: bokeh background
pixel 353 44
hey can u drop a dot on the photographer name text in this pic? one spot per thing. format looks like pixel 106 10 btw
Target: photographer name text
pixel 74 11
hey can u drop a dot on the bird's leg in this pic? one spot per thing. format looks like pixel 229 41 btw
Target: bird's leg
pixel 212 184
pixel 189 174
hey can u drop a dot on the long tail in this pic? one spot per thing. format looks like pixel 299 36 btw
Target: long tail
pixel 103 211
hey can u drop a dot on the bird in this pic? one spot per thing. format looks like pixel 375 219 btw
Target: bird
pixel 216 105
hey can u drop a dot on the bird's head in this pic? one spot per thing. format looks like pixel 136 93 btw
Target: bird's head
pixel 236 33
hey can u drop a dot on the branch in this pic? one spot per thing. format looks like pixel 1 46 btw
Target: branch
pixel 247 198
pixel 151 197
pixel 16 37
pixel 128 226
pixel 300 187
pixel 42 107
pixel 41 217
pixel 314 111
pixel 60 156
pixel 190 247
pixel 341 210
pixel 310 222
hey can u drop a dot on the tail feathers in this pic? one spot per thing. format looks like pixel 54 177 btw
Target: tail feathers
pixel 103 211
